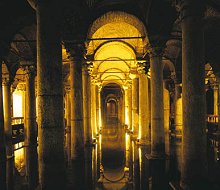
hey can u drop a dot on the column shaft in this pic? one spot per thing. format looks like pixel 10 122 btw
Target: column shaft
pixel 93 110
pixel 135 105
pixel 178 117
pixel 68 125
pixel 86 105
pixel 8 133
pixel 77 131
pixel 31 131
pixel 2 139
pixel 143 109
pixel 157 108
pixel 193 90
pixel 50 97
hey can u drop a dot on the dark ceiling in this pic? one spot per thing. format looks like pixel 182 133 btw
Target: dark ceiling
pixel 18 22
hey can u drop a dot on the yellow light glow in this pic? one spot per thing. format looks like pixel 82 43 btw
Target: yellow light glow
pixel 19 157
pixel 17 104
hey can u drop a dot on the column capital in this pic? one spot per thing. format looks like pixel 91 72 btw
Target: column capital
pixel 30 70
pixel 6 81
pixel 75 51
pixel 155 51
pixel 188 8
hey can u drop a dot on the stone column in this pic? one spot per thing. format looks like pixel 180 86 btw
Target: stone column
pixel 215 89
pixel 31 130
pixel 143 109
pixel 218 82
pixel 68 125
pixel 178 117
pixel 193 90
pixel 93 110
pixel 50 96
pixel 8 132
pixel 135 105
pixel 129 107
pixel 76 99
pixel 97 107
pixel 2 139
pixel 86 105
pixel 157 107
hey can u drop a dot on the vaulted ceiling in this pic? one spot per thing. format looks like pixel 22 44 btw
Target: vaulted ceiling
pixel 159 17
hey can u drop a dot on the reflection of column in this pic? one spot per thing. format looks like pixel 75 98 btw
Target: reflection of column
pixel 8 132
pixel 31 130
pixel 136 167
pixel 157 108
pixel 193 88
pixel 143 109
pixel 50 96
pixel 178 117
pixel 2 139
pixel 135 104
pixel 86 105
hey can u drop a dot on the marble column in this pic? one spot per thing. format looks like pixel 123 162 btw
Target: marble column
pixel 31 155
pixel 135 107
pixel 129 107
pixel 76 99
pixel 193 89
pixel 93 110
pixel 8 132
pixel 97 99
pixel 215 89
pixel 68 125
pixel 157 107
pixel 86 105
pixel 143 109
pixel 178 113
pixel 50 96
pixel 2 139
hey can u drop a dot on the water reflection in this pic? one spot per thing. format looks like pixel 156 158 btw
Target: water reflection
pixel 113 165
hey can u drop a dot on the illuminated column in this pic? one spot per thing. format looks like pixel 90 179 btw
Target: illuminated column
pixel 143 109
pixel 93 109
pixel 76 99
pixel 2 139
pixel 86 105
pixel 50 96
pixel 129 107
pixel 68 124
pixel 193 89
pixel 166 97
pixel 178 117
pixel 99 117
pixel 31 130
pixel 157 107
pixel 97 107
pixel 215 89
pixel 218 83
pixel 135 104
pixel 8 132
pixel 126 105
